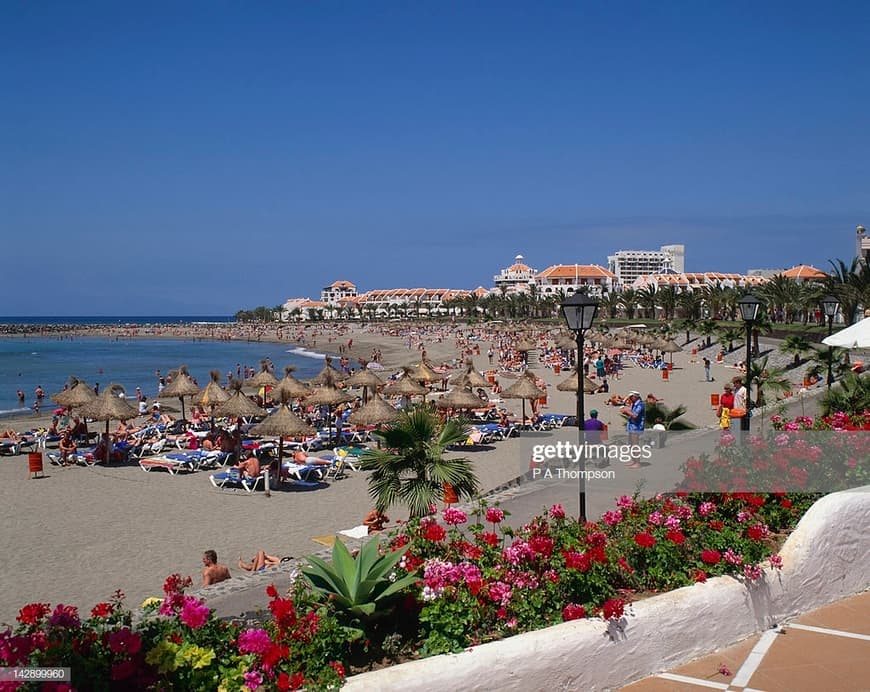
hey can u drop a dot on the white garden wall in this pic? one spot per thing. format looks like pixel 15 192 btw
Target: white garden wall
pixel 826 558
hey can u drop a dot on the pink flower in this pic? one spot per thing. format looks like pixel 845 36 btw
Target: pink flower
pixel 625 502
pixel 706 508
pixel 655 518
pixel 494 515
pixel 254 641
pixel 733 558
pixel 557 512
pixel 253 679
pixel 776 561
pixel 194 612
pixel 612 518
pixel 723 670
pixel 453 517
pixel 500 593
pixel 752 572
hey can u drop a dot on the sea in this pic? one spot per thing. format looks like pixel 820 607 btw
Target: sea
pixel 49 361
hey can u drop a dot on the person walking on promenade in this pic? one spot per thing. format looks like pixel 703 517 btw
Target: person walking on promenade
pixel 635 413
pixel 707 377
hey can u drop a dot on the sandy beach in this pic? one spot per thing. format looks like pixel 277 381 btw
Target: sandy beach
pixel 80 533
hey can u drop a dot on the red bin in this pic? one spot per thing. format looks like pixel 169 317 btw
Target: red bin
pixel 557 369
pixel 34 464
pixel 665 374
pixel 714 400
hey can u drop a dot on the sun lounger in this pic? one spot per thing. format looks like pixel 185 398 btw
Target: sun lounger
pixel 233 480
pixel 174 466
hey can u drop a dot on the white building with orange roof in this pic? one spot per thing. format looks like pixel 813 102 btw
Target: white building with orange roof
pixel 689 281
pixel 337 291
pixel 407 301
pixel 516 278
pixel 803 273
pixel 566 279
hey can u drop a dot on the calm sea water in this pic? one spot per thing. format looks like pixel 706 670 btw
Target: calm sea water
pixel 113 319
pixel 49 362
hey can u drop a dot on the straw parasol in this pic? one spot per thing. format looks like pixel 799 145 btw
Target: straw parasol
pixel 405 386
pixel 78 393
pixel 460 398
pixel 670 346
pixel 524 388
pixel 282 423
pixel 566 343
pixel 262 379
pixel 108 406
pixel 237 405
pixel 289 387
pixel 470 377
pixel 421 372
pixel 182 385
pixel 328 372
pixel 212 395
pixel 366 379
pixel 570 384
pixel 329 395
pixel 524 345
pixel 376 412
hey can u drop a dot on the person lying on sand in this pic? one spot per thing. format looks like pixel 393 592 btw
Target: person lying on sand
pixel 375 521
pixel 261 561
pixel 213 572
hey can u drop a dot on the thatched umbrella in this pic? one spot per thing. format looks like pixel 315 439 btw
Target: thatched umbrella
pixel 289 387
pixel 282 423
pixel 376 412
pixel 670 346
pixel 470 378
pixel 421 372
pixel 212 395
pixel 405 386
pixel 328 372
pixel 570 384
pixel 524 345
pixel 262 379
pixel 566 343
pixel 78 393
pixel 366 379
pixel 524 388
pixel 329 395
pixel 108 406
pixel 182 385
pixel 460 398
pixel 237 406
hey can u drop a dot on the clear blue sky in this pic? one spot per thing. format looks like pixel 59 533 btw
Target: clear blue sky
pixel 202 157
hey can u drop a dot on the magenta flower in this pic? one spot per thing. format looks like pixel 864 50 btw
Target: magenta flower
pixel 124 641
pixel 776 561
pixel 612 518
pixel 557 512
pixel 254 641
pixel 494 515
pixel 453 517
pixel 194 612
pixel 253 679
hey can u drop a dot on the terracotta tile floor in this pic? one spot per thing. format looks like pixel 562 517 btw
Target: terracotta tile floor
pixel 790 659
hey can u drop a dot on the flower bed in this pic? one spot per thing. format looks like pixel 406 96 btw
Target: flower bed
pixel 479 580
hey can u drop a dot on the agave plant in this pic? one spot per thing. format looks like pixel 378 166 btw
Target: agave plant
pixel 361 587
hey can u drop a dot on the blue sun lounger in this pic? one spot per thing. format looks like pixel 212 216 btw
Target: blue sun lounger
pixel 232 480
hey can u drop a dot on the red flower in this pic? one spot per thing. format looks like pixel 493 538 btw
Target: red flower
pixel 711 557
pixel 434 532
pixel 399 541
pixel 700 575
pixel 557 512
pixel 613 608
pixel 176 584
pixel 101 610
pixel 471 552
pixel 490 538
pixel 627 567
pixel 271 591
pixel 125 641
pixel 494 515
pixel 597 554
pixel 572 611
pixel 32 613
pixel 575 560
pixel 283 612
pixel 645 540
pixel 274 655
pixel 675 536
pixel 786 503
pixel 542 545
pixel 716 525
pixel 755 533
pixel 338 668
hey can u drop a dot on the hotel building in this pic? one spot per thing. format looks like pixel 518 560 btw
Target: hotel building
pixel 516 278
pixel 629 265
pixel 567 279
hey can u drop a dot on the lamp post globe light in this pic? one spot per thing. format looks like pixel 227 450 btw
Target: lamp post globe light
pixel 579 311
pixel 830 305
pixel 749 309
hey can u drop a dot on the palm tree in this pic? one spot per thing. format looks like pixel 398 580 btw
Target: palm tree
pixel 728 335
pixel 852 395
pixel 667 299
pixel 823 357
pixel 691 303
pixel 848 284
pixel 796 345
pixel 764 378
pixel 628 301
pixel 410 468
pixel 707 328
pixel 610 304
pixel 669 417
pixel 647 298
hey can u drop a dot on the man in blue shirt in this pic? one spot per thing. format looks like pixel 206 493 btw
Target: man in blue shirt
pixel 635 412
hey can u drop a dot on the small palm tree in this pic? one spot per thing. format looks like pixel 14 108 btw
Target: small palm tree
pixel 766 378
pixel 796 345
pixel 835 357
pixel 411 469
pixel 669 417
pixel 852 395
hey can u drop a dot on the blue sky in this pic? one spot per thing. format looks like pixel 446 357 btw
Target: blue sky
pixel 202 157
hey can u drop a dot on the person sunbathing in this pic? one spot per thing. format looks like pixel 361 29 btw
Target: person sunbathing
pixel 9 435
pixel 250 468
pixel 67 447
pixel 615 400
pixel 261 561
pixel 375 521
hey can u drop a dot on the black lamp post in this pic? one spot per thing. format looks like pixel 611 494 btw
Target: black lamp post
pixel 579 311
pixel 830 305
pixel 749 307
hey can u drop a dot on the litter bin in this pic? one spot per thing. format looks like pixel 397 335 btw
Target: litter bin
pixel 34 464
pixel 714 400
pixel 665 373
pixel 557 369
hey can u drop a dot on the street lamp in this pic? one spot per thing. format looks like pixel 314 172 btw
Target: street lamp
pixel 830 305
pixel 749 307
pixel 579 311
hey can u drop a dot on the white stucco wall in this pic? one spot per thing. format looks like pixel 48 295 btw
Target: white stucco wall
pixel 826 558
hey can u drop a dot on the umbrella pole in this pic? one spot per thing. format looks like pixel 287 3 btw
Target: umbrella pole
pixel 524 415
pixel 181 399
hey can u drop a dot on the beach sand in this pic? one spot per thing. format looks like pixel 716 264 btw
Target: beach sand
pixel 80 533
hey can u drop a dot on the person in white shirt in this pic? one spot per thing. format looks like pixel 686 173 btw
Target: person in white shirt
pixel 739 394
